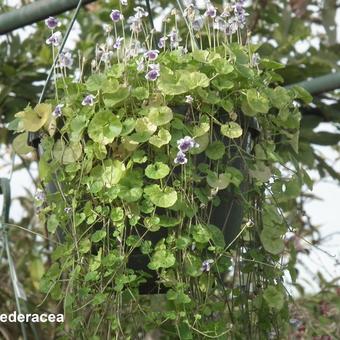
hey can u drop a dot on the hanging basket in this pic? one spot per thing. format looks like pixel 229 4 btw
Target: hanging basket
pixel 227 216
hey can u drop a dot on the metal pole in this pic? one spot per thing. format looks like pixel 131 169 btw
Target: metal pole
pixel 329 82
pixel 34 12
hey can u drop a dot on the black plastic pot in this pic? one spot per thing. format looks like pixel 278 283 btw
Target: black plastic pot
pixel 227 216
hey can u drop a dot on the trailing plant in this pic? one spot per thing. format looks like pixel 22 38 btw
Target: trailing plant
pixel 136 159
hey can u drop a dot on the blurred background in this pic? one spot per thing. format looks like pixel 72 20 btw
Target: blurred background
pixel 302 34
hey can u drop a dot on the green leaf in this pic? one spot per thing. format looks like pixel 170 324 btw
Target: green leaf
pixel 112 99
pixel 222 66
pixel 117 214
pixel 116 70
pixel 157 171
pixel 98 236
pixel 192 265
pixel 161 198
pixel 128 126
pixel 84 246
pixel 274 297
pixel 67 154
pixel 162 258
pixel 139 157
pixel 215 150
pixel 303 94
pixel 200 130
pixel 52 223
pixel 152 223
pixel 160 115
pixel 272 240
pixel 181 81
pixel 145 125
pixel 183 242
pixel 223 83
pixel 231 130
pixel 130 194
pixel 201 233
pixel 34 119
pixel 271 64
pixel 163 137
pixel 220 181
pixel 279 97
pixel 104 127
pixel 140 93
pixel 201 55
pixel 20 144
pixel 166 221
pixel 109 172
pixel 216 235
pixel 98 82
pixel 178 296
pixel 257 101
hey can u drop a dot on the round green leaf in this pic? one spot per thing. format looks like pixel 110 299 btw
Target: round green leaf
pixel 104 127
pixel 192 265
pixel 157 171
pixel 215 150
pixel 67 154
pixel 117 214
pixel 201 233
pixel 20 144
pixel 274 297
pixel 98 236
pixel 162 258
pixel 257 101
pixel 220 181
pixel 231 130
pixel 160 115
pixel 163 137
pixel 161 198
pixel 34 119
pixel 272 240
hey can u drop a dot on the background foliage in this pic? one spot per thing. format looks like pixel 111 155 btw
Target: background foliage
pixel 299 33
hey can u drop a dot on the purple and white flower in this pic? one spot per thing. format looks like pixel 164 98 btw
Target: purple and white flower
pixel 107 28
pixel 88 100
pixel 190 12
pixel 189 99
pixel 227 11
pixel 154 72
pixel 186 143
pixel 175 38
pixel 206 265
pixel 151 54
pixel 54 39
pixel 52 23
pixel 181 158
pixel 135 24
pixel 140 65
pixel 107 56
pixel 255 60
pixel 57 112
pixel 116 15
pixel 140 12
pixel 210 11
pixel 161 42
pixel 68 210
pixel 240 13
pixel 118 43
pixel 198 23
pixel 220 24
pixel 40 195
pixel 65 59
